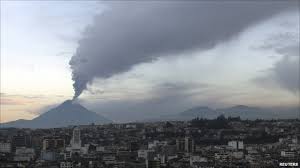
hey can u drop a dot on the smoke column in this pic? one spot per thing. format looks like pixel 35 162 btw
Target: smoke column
pixel 133 33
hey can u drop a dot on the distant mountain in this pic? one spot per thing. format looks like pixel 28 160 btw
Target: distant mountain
pixel 68 113
pixel 201 112
pixel 286 112
pixel 246 112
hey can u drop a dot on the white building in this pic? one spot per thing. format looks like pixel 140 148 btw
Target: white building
pixel 100 149
pixel 197 159
pixel 240 145
pixel 109 159
pixel 236 144
pixel 295 140
pixel 232 144
pixel 76 146
pixel 238 154
pixel 48 155
pixel 66 154
pixel 170 157
pixel 5 147
pixel 76 141
pixel 221 156
pixel 24 154
pixel 66 165
pixel 130 126
pixel 189 144
pixel 156 143
pixel 161 158
pixel 143 154
pixel 288 154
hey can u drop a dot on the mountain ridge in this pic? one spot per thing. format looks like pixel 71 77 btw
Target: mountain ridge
pixel 242 111
pixel 69 108
pixel 65 114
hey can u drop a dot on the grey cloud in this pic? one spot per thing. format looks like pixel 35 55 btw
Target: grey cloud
pixel 133 33
pixel 96 91
pixel 165 99
pixel 286 44
pixel 290 51
pixel 285 72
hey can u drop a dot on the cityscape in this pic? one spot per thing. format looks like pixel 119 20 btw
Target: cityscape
pixel 199 143
pixel 150 84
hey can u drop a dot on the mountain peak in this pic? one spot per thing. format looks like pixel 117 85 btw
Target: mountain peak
pixel 68 113
pixel 70 106
pixel 70 103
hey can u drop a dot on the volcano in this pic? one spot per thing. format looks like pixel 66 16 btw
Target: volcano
pixel 67 113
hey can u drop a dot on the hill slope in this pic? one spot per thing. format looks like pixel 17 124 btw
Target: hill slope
pixel 68 113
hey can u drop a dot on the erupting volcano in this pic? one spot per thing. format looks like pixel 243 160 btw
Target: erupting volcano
pixel 67 113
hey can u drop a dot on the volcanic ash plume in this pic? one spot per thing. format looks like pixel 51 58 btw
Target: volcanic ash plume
pixel 133 33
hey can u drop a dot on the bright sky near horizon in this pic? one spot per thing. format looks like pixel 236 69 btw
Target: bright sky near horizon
pixel 38 39
pixel 37 42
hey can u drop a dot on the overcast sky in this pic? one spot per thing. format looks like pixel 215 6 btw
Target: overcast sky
pixel 141 60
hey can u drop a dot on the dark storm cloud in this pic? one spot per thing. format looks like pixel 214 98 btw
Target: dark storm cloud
pixel 133 33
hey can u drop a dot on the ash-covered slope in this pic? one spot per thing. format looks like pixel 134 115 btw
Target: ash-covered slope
pixel 67 113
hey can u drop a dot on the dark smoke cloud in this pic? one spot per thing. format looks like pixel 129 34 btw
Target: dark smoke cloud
pixel 133 33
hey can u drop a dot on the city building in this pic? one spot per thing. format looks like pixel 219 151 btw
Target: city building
pixel 53 143
pixel 76 141
pixel 189 145
pixel 24 154
pixel 236 145
pixel 66 165
pixel 5 147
